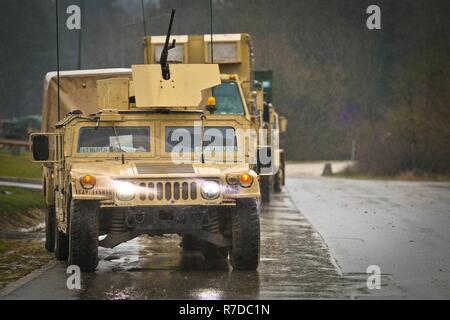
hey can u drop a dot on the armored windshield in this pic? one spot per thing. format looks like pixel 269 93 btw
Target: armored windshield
pixel 114 139
pixel 228 99
pixel 218 139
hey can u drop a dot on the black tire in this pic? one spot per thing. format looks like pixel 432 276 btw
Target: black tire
pixel 244 253
pixel 61 244
pixel 50 218
pixel 264 187
pixel 83 235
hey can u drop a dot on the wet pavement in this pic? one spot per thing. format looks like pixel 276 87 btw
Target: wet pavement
pixel 400 226
pixel 295 263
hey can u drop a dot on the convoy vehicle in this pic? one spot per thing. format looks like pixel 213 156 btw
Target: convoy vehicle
pixel 158 149
pixel 235 57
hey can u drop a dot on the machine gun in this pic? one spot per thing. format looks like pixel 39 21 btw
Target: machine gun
pixel 165 52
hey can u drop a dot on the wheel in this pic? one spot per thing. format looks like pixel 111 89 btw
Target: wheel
pixel 61 244
pixel 83 235
pixel 279 178
pixel 50 217
pixel 264 186
pixel 245 242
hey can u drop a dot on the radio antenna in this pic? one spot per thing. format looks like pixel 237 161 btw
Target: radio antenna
pixel 144 24
pixel 57 59
pixel 143 18
pixel 80 36
pixel 211 22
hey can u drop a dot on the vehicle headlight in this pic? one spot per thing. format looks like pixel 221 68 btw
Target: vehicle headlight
pixel 210 190
pixel 125 191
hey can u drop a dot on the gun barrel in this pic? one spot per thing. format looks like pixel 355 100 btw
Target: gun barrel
pixel 165 52
pixel 169 32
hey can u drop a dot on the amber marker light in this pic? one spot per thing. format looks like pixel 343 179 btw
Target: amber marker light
pixel 211 101
pixel 87 182
pixel 246 180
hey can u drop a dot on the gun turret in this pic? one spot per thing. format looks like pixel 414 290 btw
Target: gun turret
pixel 165 52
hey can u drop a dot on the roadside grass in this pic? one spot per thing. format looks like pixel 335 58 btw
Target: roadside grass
pixel 20 257
pixel 20 208
pixel 20 252
pixel 19 166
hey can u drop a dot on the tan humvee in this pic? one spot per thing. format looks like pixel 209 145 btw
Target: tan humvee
pixel 116 171
pixel 234 54
pixel 158 149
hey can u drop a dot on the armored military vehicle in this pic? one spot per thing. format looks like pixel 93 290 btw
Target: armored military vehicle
pixel 163 148
pixel 234 55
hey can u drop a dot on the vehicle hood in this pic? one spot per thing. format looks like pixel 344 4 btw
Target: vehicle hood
pixel 142 169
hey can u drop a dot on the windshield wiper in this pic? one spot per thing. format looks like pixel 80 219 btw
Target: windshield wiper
pixel 118 143
pixel 202 138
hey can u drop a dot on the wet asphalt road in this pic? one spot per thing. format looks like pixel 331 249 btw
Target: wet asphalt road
pixel 295 263
pixel 400 226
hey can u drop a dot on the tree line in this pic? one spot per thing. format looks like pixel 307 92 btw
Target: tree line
pixel 340 84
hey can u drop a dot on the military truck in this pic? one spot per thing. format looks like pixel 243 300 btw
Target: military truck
pixel 234 55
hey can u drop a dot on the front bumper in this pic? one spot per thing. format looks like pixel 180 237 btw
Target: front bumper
pixel 156 220
pixel 123 224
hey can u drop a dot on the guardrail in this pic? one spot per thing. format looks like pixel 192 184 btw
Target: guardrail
pixel 17 143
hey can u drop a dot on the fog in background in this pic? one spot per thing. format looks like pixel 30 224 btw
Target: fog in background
pixel 334 79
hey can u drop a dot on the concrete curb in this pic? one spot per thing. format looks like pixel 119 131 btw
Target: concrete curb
pixel 10 288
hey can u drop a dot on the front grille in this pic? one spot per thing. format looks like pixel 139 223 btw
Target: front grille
pixel 168 191
pixel 162 168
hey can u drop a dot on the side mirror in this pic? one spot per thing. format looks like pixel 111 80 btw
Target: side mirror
pixel 40 148
pixel 283 124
